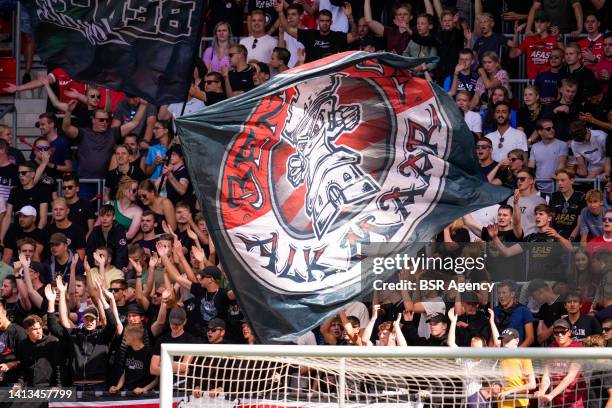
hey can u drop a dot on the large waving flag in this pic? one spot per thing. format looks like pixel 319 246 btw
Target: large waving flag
pixel 145 48
pixel 294 175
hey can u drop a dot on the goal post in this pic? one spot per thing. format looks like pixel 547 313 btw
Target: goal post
pixel 254 376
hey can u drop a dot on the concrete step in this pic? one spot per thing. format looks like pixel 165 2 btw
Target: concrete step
pixel 28 132
pixel 25 106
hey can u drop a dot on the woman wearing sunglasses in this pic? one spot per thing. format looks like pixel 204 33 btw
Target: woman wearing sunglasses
pixel 504 174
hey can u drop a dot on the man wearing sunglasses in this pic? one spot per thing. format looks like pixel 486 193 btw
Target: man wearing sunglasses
pixel 562 382
pixel 548 81
pixel 118 288
pixel 606 328
pixel 548 155
pixel 96 145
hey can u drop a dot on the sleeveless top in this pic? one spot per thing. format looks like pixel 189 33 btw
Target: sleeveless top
pixel 121 219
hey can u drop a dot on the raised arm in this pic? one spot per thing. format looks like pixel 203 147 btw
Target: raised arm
pixel 473 225
pixel 54 327
pixel 506 251
pixel 494 332
pixel 367 332
pixel 376 27
pixel 69 130
pixel 72 283
pixel 128 127
pixel 173 273
pixel 292 31
pixel 399 336
pixel 63 307
pixel 44 80
pixel 453 328
pixel 349 329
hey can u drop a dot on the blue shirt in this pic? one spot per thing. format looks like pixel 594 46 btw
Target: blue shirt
pixel 591 224
pixel 520 316
pixel 153 152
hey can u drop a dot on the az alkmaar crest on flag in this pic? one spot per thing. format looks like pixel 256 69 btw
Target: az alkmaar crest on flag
pixel 325 165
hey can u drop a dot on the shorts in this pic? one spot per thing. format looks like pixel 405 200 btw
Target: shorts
pixel 25 21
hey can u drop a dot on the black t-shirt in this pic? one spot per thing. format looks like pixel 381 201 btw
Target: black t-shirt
pixel 584 76
pixel 210 304
pixel 74 233
pixel 80 212
pixel 550 313
pixel 148 244
pixel 562 120
pixel 599 111
pixel 113 177
pixel 585 326
pixel 495 42
pixel 500 266
pixel 545 256
pixel 565 212
pixel 487 169
pixel 318 46
pixel 82 116
pixel 214 97
pixel 242 80
pixel 172 194
pixel 167 338
pixel 15 233
pixel 35 196
pixel 478 325
pixel 136 367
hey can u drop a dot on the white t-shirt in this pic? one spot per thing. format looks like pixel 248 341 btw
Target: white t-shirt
pixel 473 121
pixel 593 152
pixel 339 19
pixel 292 45
pixel 546 158
pixel 259 49
pixel 306 339
pixel 513 139
pixel 193 105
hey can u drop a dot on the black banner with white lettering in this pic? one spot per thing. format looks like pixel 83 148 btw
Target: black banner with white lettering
pixel 141 47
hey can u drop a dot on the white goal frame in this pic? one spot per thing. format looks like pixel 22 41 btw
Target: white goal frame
pixel 168 351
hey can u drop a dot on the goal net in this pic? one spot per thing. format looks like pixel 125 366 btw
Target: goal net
pixel 417 377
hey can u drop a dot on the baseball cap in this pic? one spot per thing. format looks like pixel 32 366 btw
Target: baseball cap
pixel 92 312
pixel 216 323
pixel 562 323
pixel 509 334
pixel 211 271
pixel 58 238
pixel 135 308
pixel 436 317
pixel 28 211
pixel 177 316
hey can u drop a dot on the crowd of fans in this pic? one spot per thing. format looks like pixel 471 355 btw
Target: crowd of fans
pixel 141 271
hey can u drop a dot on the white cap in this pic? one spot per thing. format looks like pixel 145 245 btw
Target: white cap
pixel 28 211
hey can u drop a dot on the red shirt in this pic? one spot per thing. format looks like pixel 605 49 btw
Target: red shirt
pixel 595 46
pixel 574 395
pixel 537 51
pixel 65 83
pixel 599 244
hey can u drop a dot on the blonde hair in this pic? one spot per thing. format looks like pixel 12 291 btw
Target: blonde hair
pixel 124 184
pixel 59 200
pixel 533 114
